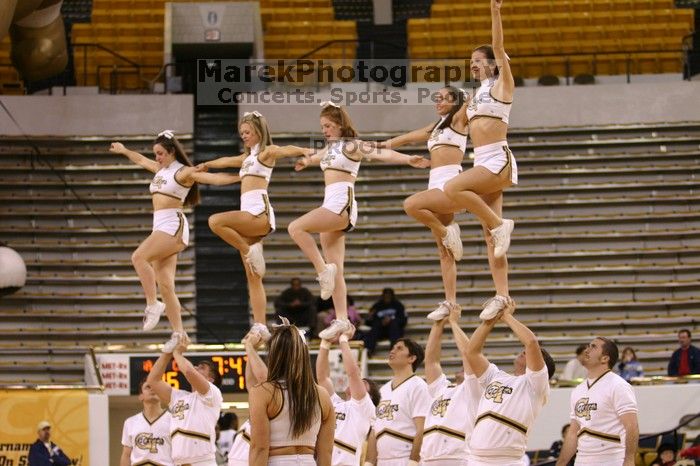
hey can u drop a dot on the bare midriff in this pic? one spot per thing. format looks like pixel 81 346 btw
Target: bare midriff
pixel 485 131
pixel 161 201
pixel 249 183
pixel 291 450
pixel 445 155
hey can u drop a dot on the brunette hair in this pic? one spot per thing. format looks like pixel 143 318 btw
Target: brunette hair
pixel 172 145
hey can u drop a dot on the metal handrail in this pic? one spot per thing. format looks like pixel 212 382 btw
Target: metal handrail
pixel 86 45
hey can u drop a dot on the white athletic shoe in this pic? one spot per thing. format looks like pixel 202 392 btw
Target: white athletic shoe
pixel 152 315
pixel 327 280
pixel 453 241
pixel 255 259
pixel 171 344
pixel 493 306
pixel 337 327
pixel 261 329
pixel 442 311
pixel 501 237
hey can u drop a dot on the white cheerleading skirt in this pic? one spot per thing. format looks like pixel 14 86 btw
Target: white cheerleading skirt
pixel 496 158
pixel 441 175
pixel 340 197
pixel 173 222
pixel 291 460
pixel 257 202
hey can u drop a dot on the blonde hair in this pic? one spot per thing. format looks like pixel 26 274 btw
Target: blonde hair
pixel 340 117
pixel 289 369
pixel 259 124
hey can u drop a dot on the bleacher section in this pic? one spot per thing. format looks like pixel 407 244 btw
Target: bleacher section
pixel 81 288
pixel 548 27
pixel 606 242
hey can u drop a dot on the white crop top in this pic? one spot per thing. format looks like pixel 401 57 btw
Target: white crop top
pixel 446 137
pixel 281 428
pixel 165 183
pixel 252 166
pixel 335 159
pixel 484 104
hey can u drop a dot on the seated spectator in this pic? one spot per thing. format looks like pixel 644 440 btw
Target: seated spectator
pixel 666 455
pixel 44 452
pixel 387 319
pixel 324 317
pixel 686 359
pixel 693 451
pixel 555 449
pixel 296 303
pixel 574 369
pixel 628 366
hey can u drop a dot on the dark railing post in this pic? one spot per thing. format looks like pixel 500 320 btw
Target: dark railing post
pixel 568 69
pixel 113 80
pixel 628 66
pixel 85 66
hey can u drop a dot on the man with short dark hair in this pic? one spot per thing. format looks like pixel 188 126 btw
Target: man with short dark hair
pixel 686 359
pixel 604 426
pixel 574 367
pixel 44 452
pixel 296 303
pixel 401 412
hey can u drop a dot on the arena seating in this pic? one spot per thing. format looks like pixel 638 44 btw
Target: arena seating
pixel 82 290
pixel 544 27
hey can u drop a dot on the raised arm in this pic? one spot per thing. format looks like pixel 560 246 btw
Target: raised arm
pixel 433 369
pixel 150 165
pixel 323 369
pixel 234 161
pixel 460 338
pixel 155 378
pixel 568 449
pixel 255 369
pixel 197 380
pixel 352 369
pixel 503 89
pixel 533 353
pixel 415 136
pixel 476 359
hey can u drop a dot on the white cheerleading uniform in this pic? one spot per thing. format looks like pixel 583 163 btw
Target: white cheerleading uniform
pixel 340 196
pixel 394 427
pixel 445 137
pixel 495 157
pixel 353 420
pixel 170 221
pixel 450 421
pixel 597 406
pixel 149 441
pixel 508 407
pixel 192 429
pixel 257 201
pixel 280 436
pixel 240 450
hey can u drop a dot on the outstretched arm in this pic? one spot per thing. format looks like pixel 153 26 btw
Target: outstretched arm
pixel 433 369
pixel 191 175
pixel 272 153
pixel 415 136
pixel 461 339
pixel 150 165
pixel 323 369
pixel 196 380
pixel 352 369
pixel 503 89
pixel 310 160
pixel 234 161
pixel 255 369
pixel 155 378
pixel 475 357
pixel 370 151
pixel 533 353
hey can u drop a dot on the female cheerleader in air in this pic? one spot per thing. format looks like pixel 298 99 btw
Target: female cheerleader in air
pixel 155 260
pixel 340 161
pixel 244 229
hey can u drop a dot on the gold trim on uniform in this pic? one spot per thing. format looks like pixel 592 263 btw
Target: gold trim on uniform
pixel 189 433
pixel 344 446
pixel 175 177
pixel 596 380
pixel 443 144
pixel 168 195
pixel 147 463
pixel 508 422
pixel 509 157
pixel 178 232
pixel 445 431
pixel 402 382
pixel 396 435
pixel 261 163
pixel 600 435
pixel 499 101
pixel 245 436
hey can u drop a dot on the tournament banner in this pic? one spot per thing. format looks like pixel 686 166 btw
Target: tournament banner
pixel 21 411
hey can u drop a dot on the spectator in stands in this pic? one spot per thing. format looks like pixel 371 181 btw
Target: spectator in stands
pixel 44 452
pixel 574 368
pixel 246 228
pixel 480 188
pixel 629 367
pixel 387 319
pixel 296 303
pixel 326 316
pixel 447 141
pixel 155 260
pixel 686 359
pixel 665 455
pixel 340 161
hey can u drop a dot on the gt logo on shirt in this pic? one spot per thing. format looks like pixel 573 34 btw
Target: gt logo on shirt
pixel 146 441
pixel 439 406
pixel 159 181
pixel 385 410
pixel 178 411
pixel 495 392
pixel 339 416
pixel 583 408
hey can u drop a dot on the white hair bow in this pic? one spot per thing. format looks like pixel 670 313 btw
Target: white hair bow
pixel 168 133
pixel 325 103
pixel 286 323
pixel 464 93
pixel 255 113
